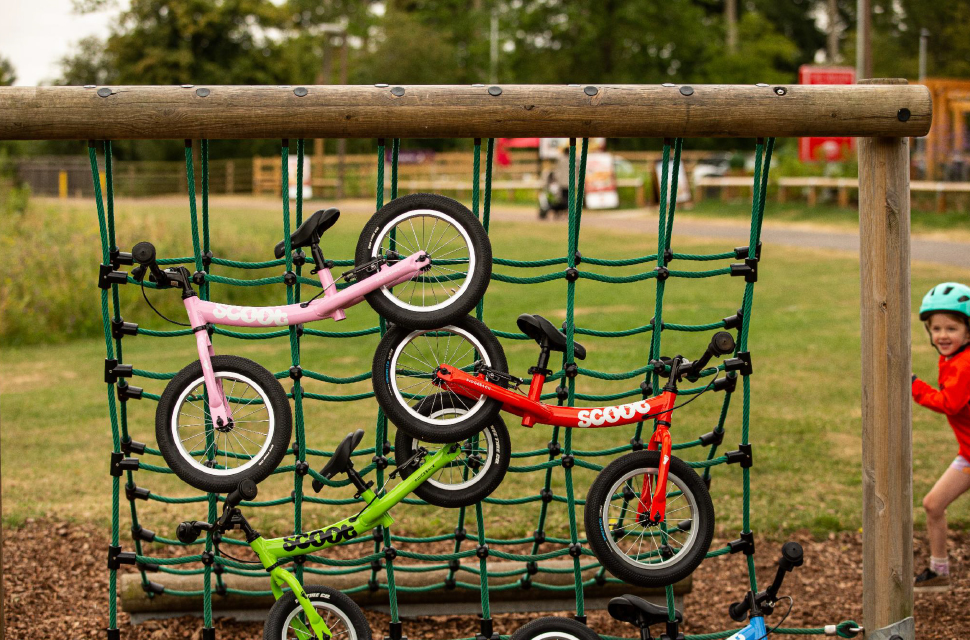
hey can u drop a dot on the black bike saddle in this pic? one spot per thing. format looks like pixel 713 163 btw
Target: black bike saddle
pixel 315 225
pixel 340 461
pixel 546 334
pixel 639 612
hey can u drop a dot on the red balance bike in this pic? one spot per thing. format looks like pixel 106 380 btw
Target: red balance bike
pixel 649 517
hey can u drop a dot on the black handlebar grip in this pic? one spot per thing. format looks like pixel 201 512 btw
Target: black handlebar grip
pixel 722 343
pixel 245 490
pixel 738 610
pixel 187 533
pixel 791 556
pixel 143 253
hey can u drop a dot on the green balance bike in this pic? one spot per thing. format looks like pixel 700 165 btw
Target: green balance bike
pixel 452 475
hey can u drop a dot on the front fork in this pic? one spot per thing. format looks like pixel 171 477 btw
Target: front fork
pixel 653 503
pixel 218 407
pixel 280 577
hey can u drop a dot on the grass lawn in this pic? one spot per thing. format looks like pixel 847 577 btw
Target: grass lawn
pixel 805 407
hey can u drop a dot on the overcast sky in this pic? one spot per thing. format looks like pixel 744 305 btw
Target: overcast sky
pixel 36 34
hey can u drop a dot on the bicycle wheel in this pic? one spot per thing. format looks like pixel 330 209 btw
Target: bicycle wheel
pixel 287 620
pixel 216 458
pixel 461 259
pixel 404 370
pixel 630 547
pixel 474 474
pixel 555 628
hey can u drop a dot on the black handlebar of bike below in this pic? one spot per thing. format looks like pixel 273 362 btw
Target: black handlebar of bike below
pixel 721 344
pixel 144 254
pixel 791 556
pixel 188 532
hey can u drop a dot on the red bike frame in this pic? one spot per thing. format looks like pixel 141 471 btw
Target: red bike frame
pixel 533 411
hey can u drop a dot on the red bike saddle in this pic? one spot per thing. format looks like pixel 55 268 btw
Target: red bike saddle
pixel 547 335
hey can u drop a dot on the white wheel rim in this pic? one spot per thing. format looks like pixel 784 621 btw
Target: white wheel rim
pixel 330 615
pixel 244 436
pixel 643 538
pixel 475 475
pixel 551 635
pixel 424 358
pixel 414 242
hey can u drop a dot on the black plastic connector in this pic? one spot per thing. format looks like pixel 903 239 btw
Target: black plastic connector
pixel 600 579
pixel 208 558
pixel 289 278
pixel 299 559
pixel 380 462
pixel 454 564
pixel 120 258
pixel 117 557
pixel 562 393
pixel 299 259
pixel 460 534
pixel 139 532
pixel 390 553
pixel 395 631
pixel 741 364
pixel 637 444
pixel 127 392
pixel 120 328
pixel 539 536
pixel 572 274
pixel 377 534
pixel 579 258
pixel 568 461
pixel 482 551
pixel 581 619
pixel 748 269
pixel 450 584
pixel 220 588
pixel 153 588
pixel 668 256
pixel 134 492
pixel 742 456
pixel 525 583
pixel 147 567
pixel 532 567
pixel 728 384
pixel 744 544
pixel 571 369
pixel 296 372
pixel 742 252
pixel 712 437
pixel 219 570
pixel 132 446
pixel 198 278
pixel 646 389
pixel 114 634
pixel 107 276
pixel 662 273
pixel 373 585
pixel 575 549
pixel 375 565
pixel 113 370
pixel 207 259
pixel 554 448
pixel 120 464
pixel 208 633
pixel 546 495
pixel 734 322
pixel 301 468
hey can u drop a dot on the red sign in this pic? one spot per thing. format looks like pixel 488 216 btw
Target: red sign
pixel 830 149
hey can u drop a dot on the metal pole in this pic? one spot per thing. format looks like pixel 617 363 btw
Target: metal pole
pixel 833 32
pixel 924 36
pixel 921 163
pixel 493 49
pixel 863 49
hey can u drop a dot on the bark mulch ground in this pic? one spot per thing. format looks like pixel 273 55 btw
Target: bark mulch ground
pixel 55 584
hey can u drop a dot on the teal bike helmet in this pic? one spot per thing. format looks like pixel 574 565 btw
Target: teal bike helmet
pixel 951 297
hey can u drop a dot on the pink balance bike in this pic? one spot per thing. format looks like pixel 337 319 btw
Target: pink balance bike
pixel 649 517
pixel 223 419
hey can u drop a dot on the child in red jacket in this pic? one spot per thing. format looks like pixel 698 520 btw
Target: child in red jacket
pixel 946 314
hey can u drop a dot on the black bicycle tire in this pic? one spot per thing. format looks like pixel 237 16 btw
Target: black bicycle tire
pixel 270 459
pixel 478 281
pixel 485 483
pixel 273 627
pixel 597 499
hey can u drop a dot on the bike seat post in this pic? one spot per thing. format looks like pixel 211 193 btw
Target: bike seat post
pixel 539 374
pixel 326 277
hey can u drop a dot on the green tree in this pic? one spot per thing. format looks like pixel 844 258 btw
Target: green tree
pixel 7 75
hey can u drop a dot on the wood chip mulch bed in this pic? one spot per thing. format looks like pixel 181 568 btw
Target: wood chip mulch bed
pixel 55 584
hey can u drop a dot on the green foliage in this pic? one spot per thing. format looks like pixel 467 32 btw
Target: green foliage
pixel 7 75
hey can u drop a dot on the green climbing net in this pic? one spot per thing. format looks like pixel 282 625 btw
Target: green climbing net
pixel 549 461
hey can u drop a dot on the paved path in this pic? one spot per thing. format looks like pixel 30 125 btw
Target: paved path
pixel 942 252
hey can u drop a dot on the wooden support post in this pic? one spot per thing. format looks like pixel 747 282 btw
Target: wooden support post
pixel 843 196
pixel 782 193
pixel 812 194
pixel 230 177
pixel 887 461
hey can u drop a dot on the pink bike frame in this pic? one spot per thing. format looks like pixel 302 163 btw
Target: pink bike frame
pixel 330 305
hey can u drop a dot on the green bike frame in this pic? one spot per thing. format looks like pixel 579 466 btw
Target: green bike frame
pixel 272 551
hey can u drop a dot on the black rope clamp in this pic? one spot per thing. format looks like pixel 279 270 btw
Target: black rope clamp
pixel 532 567
pixel 668 256
pixel 377 533
pixel 299 259
pixel 742 456
pixel 579 258
pixel 562 393
pixel 373 585
pixel 198 278
pixel 114 634
pixel 113 370
pixel 525 583
pixel 139 532
pixel 568 461
pixel 120 464
pixel 546 495
pixel 450 583
pixel 600 579
pixel 302 467
pixel 134 492
pixel 554 448
pixel 127 392
pixel 153 588
pixel 390 553
pixel 208 558
pixel 120 328
pixel 571 369
pixel 575 549
pixel 662 273
pixel 727 384
pixel 119 258
pixel 572 274
pixel 107 276
pixel 743 544
pixel 539 536
pixel 741 364
pixel 131 446
pixel 395 631
pixel 646 389
pixel 637 444
pixel 207 259
pixel 380 462
pixel 296 372
pixel 734 322
pixel 460 534
pixel 482 551
pixel 219 570
pixel 748 269
pixel 117 557
pixel 299 559
pixel 147 567
pixel 487 631
pixel 221 589
pixel 454 564
pixel 712 438
pixel 742 252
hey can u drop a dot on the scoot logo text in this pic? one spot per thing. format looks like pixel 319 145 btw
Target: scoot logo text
pixel 251 315
pixel 333 535
pixel 611 415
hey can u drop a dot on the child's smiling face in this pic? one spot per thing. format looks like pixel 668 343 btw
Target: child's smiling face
pixel 948 332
